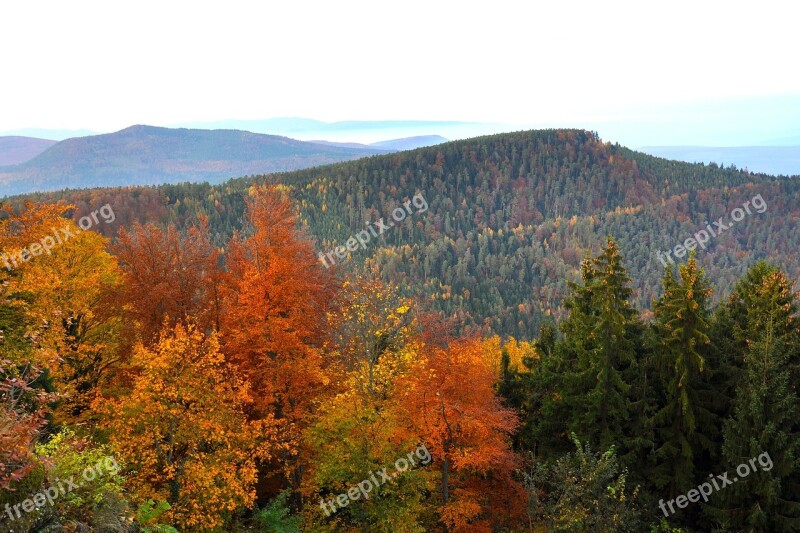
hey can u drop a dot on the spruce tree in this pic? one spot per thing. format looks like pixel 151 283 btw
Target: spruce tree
pixel 544 429
pixel 511 385
pixel 765 417
pixel 685 429
pixel 598 352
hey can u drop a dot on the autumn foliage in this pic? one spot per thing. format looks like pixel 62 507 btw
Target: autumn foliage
pixel 183 431
pixel 220 375
pixel 448 401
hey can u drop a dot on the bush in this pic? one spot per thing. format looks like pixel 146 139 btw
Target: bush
pixel 583 491
pixel 96 489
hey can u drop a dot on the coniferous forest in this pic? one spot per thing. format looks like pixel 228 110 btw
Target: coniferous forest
pixel 513 356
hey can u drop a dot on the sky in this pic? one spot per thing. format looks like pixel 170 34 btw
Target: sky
pixel 642 73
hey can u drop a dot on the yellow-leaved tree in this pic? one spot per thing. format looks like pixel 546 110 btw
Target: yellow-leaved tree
pixel 182 431
pixel 59 291
pixel 356 434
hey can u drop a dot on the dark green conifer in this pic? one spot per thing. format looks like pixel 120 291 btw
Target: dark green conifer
pixel 765 418
pixel 685 430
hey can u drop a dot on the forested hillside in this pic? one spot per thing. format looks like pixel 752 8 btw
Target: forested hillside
pixel 199 361
pixel 510 217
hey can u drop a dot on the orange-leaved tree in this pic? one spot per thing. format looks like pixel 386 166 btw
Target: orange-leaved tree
pixel 183 433
pixel 449 402
pixel 275 297
pixel 169 277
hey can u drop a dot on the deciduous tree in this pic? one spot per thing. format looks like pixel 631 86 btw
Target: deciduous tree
pixel 449 403
pixel 276 294
pixel 182 430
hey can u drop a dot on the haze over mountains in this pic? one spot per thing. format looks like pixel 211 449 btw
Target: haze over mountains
pixel 146 155
pixel 410 143
pixel 15 150
pixel 359 131
pixel 775 160
pixel 407 143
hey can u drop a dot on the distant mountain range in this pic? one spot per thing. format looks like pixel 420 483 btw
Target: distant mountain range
pixel 358 131
pixel 146 155
pixel 306 129
pixel 774 160
pixel 15 150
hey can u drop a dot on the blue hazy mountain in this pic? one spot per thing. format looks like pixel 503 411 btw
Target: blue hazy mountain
pixel 774 160
pixel 15 150
pixel 147 155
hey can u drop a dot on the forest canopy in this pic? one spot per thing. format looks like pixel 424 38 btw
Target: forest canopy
pixel 520 331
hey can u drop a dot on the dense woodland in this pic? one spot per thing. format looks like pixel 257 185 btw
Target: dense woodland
pixel 511 217
pixel 561 379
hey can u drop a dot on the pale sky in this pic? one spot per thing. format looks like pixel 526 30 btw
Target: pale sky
pixel 106 65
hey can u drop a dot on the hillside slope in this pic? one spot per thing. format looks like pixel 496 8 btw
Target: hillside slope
pixel 145 155
pixel 510 218
pixel 15 150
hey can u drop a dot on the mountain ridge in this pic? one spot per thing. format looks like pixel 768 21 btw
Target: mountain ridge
pixel 150 155
pixel 510 218
pixel 16 149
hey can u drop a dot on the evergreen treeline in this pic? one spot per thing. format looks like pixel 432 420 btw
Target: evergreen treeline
pixel 680 399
